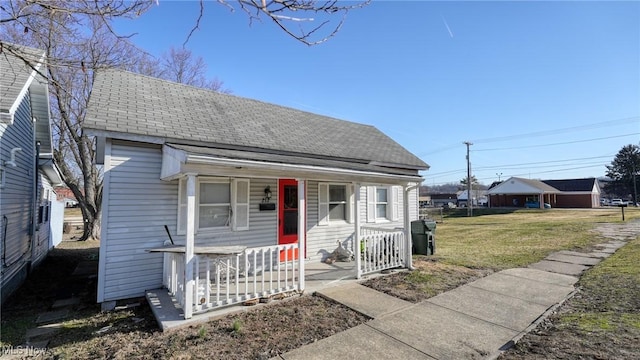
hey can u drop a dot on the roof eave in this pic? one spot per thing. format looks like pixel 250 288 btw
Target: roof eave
pixel 176 163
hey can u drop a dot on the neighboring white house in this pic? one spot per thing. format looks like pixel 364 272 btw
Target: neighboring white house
pixel 28 206
pixel 479 197
pixel 225 173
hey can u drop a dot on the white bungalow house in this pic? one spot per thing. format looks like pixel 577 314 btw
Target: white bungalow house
pixel 31 218
pixel 248 192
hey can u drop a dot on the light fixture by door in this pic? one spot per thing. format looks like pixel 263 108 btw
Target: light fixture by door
pixel 267 194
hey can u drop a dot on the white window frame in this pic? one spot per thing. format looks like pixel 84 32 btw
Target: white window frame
pixel 324 204
pixel 394 196
pixel 200 206
pixel 236 205
pixel 385 203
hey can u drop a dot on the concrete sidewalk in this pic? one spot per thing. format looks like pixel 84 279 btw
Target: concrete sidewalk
pixel 475 321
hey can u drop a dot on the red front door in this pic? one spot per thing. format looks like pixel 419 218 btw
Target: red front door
pixel 287 216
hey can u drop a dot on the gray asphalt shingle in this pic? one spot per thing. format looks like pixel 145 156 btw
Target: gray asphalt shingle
pixel 15 72
pixel 124 102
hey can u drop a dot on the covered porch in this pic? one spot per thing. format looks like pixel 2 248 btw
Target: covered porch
pixel 221 277
pixel 201 277
pixel 170 314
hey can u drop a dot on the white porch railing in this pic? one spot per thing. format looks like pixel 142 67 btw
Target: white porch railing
pixel 232 279
pixel 381 249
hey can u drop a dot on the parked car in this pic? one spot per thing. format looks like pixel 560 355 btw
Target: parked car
pixel 616 202
pixel 536 205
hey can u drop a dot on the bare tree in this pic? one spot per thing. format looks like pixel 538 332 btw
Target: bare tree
pixel 73 54
pixel 308 21
pixel 180 65
pixel 79 39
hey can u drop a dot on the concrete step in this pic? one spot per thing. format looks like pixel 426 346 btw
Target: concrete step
pixel 66 302
pixel 50 316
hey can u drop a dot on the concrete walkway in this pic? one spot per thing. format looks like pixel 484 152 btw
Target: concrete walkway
pixel 478 320
pixel 47 323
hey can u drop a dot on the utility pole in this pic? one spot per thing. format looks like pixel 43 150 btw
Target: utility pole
pixel 469 199
pixel 499 175
pixel 635 189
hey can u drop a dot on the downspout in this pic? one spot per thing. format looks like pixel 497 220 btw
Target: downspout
pixel 407 226
pixel 34 204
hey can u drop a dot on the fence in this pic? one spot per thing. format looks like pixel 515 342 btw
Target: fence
pixel 381 249
pixel 227 280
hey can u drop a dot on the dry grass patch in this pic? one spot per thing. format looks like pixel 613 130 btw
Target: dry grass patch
pixel 259 333
pixel 429 278
pixel 516 239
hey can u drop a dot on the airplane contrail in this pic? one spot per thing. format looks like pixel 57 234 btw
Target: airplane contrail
pixel 446 25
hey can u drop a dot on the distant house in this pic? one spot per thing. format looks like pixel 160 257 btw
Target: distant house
pixel 65 195
pixel 479 197
pixel 576 193
pixel 249 191
pixel 439 200
pixel 519 192
pixel 31 216
pixel 568 193
pixel 425 200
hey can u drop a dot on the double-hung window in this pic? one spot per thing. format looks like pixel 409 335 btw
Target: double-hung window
pixel 221 204
pixel 333 203
pixel 383 203
pixel 214 205
pixel 337 202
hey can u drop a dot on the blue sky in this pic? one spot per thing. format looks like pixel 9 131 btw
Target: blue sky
pixel 543 90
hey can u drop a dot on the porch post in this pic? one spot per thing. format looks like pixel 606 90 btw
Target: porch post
pixel 302 232
pixel 189 245
pixel 541 202
pixel 407 228
pixel 356 232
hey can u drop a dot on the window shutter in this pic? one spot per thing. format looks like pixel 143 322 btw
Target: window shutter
pixel 240 204
pixel 182 207
pixel 323 204
pixel 393 203
pixel 371 204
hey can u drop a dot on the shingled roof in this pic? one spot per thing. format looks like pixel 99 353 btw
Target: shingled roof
pixel 16 77
pixel 123 103
pixel 587 184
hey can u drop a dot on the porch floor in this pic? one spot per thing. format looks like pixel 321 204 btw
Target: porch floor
pixel 318 276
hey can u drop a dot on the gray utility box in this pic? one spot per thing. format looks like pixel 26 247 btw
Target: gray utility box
pixel 423 237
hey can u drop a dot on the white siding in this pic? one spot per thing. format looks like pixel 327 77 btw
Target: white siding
pixel 41 243
pixel 57 219
pixel 16 200
pixel 140 204
pixel 322 240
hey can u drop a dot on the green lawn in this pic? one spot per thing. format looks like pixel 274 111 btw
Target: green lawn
pixel 601 321
pixel 519 238
pixel 614 286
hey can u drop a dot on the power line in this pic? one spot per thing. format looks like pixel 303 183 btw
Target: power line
pixel 554 144
pixel 555 171
pixel 555 161
pixel 445 173
pixel 562 130
pixel 620 121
